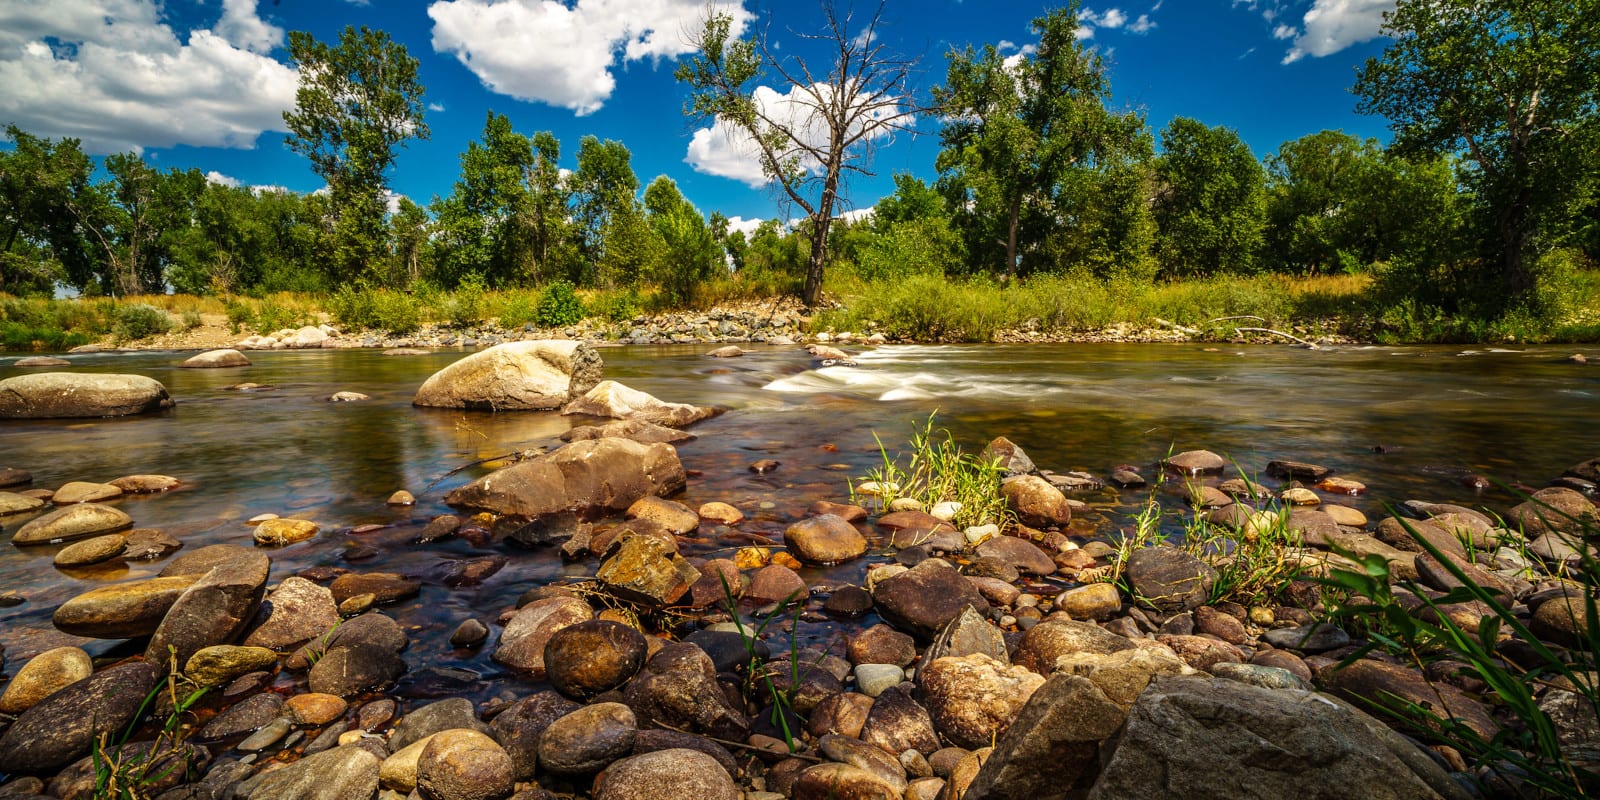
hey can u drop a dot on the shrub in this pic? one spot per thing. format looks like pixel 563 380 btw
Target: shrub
pixel 191 320
pixel 937 470
pixel 139 321
pixel 517 308
pixel 465 306
pixel 559 306
pixel 240 314
pixel 616 305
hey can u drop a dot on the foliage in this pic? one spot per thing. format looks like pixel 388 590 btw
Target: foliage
pixel 129 776
pixel 465 307
pixel 558 307
pixel 139 321
pixel 690 252
pixel 363 307
pixel 40 183
pixel 479 228
pixel 615 305
pixel 1210 204
pixel 604 205
pixel 937 470
pixel 911 247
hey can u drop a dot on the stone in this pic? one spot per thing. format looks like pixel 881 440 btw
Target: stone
pixel 1020 553
pixel 881 644
pixel 1169 579
pixel 242 718
pixel 1096 601
pixel 1051 749
pixel 593 657
pixel 1009 457
pixel 873 679
pixel 728 351
pixel 674 516
pixel 84 492
pixel 1211 622
pixel 647 570
pixel 678 689
pixel 636 429
pixel 52 395
pixel 44 675
pixel 13 503
pixel 12 477
pixel 1036 503
pixel 385 587
pixel 967 634
pixel 1298 496
pixel 588 739
pixel 824 539
pixel 162 765
pixel 1201 652
pixel 123 610
pixel 1053 638
pixel 348 670
pixel 674 772
pixel 214 610
pixel 773 583
pixel 214 359
pixel 91 551
pixel 721 513
pixel 1557 509
pixel 73 522
pixel 612 399
pixel 1564 620
pixel 461 764
pixel 1283 743
pixel 399 771
pixel 219 664
pixel 974 698
pixel 535 375
pixel 344 772
pixel 470 633
pixel 521 725
pixel 834 781
pixel 143 544
pixel 1195 462
pixel 587 477
pixel 848 601
pixel 1297 471
pixel 1368 681
pixel 887 768
pixel 297 611
pixel 522 642
pixel 1401 535
pixel 313 708
pixel 1121 676
pixel 1344 515
pixel 898 723
pixel 60 728
pixel 1259 675
pixel 348 397
pixel 41 361
pixel 925 598
pixel 279 532
pixel 146 483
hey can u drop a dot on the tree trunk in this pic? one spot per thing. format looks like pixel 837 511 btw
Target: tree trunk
pixel 1013 219
pixel 821 221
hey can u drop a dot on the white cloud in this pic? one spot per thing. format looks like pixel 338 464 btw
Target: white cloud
pixel 1143 24
pixel 1285 32
pixel 1083 32
pixel 1333 25
pixel 744 226
pixel 564 53
pixel 391 200
pixel 1112 18
pixel 723 150
pixel 113 74
pixel 436 107
pixel 1090 20
pixel 857 214
pixel 222 180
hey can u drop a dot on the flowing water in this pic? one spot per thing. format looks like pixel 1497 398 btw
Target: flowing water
pixel 1407 421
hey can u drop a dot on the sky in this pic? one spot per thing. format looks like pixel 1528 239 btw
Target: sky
pixel 204 83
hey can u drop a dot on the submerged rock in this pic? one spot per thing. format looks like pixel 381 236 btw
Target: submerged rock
pixel 212 359
pixel 586 477
pixel 73 522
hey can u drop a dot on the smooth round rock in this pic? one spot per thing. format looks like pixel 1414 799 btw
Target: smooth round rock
pixel 591 657
pixel 73 492
pixel 347 397
pixel 122 610
pixel 73 522
pixel 672 515
pixel 91 551
pixel 146 484
pixel 463 764
pixel 278 532
pixel 13 503
pixel 216 359
pixel 54 395
pixel 721 513
pixel 825 539
pixel 522 642
pixel 315 708
pixel 873 679
pixel 44 675
pixel 672 773
pixel 588 739
pixel 61 727
pixel 218 664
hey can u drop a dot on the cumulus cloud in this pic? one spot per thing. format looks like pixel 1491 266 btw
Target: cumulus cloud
pixel 1332 25
pixel 222 180
pixel 1090 20
pixel 565 53
pixel 744 226
pixel 722 149
pixel 115 75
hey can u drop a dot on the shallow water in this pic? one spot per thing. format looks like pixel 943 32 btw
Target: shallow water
pixel 1407 421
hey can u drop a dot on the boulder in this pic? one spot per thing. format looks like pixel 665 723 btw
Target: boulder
pixel 73 522
pixel 1369 681
pixel 586 477
pixel 522 643
pixel 588 739
pixel 146 484
pixel 461 764
pixel 635 429
pixel 122 610
pixel 91 551
pixel 824 539
pixel 612 399
pixel 727 351
pixel 672 515
pixel 60 728
pixel 678 689
pixel 455 712
pixel 923 599
pixel 305 338
pixel 1169 579
pixel 520 727
pixel 516 376
pixel 41 361
pixel 593 657
pixel 1054 638
pixel 647 570
pixel 969 633
pixel 13 503
pixel 44 675
pixel 214 610
pixel 1020 553
pixel 73 492
pixel 1051 749
pixel 212 359
pixel 1036 503
pixel 297 611
pixel 975 698
pixel 49 395
pixel 1203 738
pixel 674 772
pixel 1121 676
pixel 219 664
pixel 1557 509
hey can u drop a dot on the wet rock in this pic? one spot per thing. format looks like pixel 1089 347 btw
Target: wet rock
pixel 44 675
pixel 213 610
pixel 647 570
pixel 1169 579
pixel 873 679
pixel 721 513
pixel 470 633
pixel 1196 462
pixel 848 601
pixel 881 644
pixel 586 477
pixel 347 397
pixel 849 750
pixel 1036 502
pixel 370 628
pixel 1563 620
pixel 1344 515
pixel 1369 681
pixel 279 532
pixel 592 657
pixel 13 503
pixel 520 727
pixel 464 765
pixel 898 723
pixel 60 728
pixel 1280 743
pixel 1051 749
pixel 215 359
pixel 826 539
pixel 349 670
pixel 1297 471
pixel 1211 622
pixel 123 610
pixel 974 698
pixel 844 511
pixel 1053 638
pixel 1020 553
pixel 775 583
pixel 588 739
pixel 675 772
pixel 612 399
pixel 313 708
pixel 1258 675
pixel 84 492
pixel 636 429
pixel 1096 601
pixel 219 664
pixel 385 587
pixel 515 376
pixel 48 395
pixel 1556 509
pixel 242 718
pixel 522 643
pixel 338 774
pixel 1201 652
pixel 296 612
pixel 1121 676
pixel 675 517
pixel 678 689
pixel 73 522
pixel 399 771
pixel 1009 457
pixel 91 551
pixel 12 477
pixel 41 361
pixel 843 714
pixel 728 351
pixel 1401 535
pixel 144 544
pixel 923 599
pixel 967 634
pixel 401 497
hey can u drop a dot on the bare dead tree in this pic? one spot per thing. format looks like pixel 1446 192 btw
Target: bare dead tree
pixel 862 99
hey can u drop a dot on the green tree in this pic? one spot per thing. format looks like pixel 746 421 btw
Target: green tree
pixel 912 200
pixel 410 227
pixel 1112 235
pixel 134 219
pixel 863 94
pixel 40 240
pixel 546 211
pixel 481 223
pixel 356 103
pixel 1210 204
pixel 1311 182
pixel 604 193
pixel 1511 88
pixel 1018 127
pixel 690 251
pixel 222 251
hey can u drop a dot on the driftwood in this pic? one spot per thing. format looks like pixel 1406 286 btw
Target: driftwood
pixel 1306 344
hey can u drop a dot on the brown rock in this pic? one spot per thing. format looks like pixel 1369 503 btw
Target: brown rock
pixel 297 611
pixel 73 522
pixel 587 477
pixel 721 513
pixel 53 395
pixel 532 375
pixel 975 698
pixel 1196 462
pixel 824 540
pixel 315 709
pixel 647 570
pixel 279 532
pixel 121 611
pixel 91 551
pixel 385 587
pixel 522 643
pixel 461 764
pixel 84 492
pixel 44 675
pixel 1053 638
pixel 1368 681
pixel 592 657
pixel 214 610
pixel 612 399
pixel 1018 552
pixel 674 772
pixel 146 484
pixel 923 599
pixel 1036 502
pixel 675 517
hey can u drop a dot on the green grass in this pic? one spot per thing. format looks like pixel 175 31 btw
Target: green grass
pixel 935 469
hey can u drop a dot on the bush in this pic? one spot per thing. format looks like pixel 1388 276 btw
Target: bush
pixel 558 307
pixel 464 308
pixel 191 320
pixel 616 305
pixel 139 321
pixel 240 314
pixel 517 308
pixel 365 308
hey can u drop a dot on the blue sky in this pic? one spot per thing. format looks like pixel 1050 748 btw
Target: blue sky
pixel 203 84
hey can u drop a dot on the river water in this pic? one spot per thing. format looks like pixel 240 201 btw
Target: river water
pixel 1407 421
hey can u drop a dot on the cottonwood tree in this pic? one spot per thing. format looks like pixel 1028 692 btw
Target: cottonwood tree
pixel 851 98
pixel 1511 87
pixel 1211 201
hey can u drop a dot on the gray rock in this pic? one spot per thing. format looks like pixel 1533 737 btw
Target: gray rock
pixel 214 610
pixel 533 375
pixel 456 712
pixel 1314 638
pixel 520 727
pixel 1009 457
pixel 123 610
pixel 898 723
pixel 297 611
pixel 612 399
pixel 1169 579
pixel 523 640
pixel 212 359
pixel 59 729
pixel 924 599
pixel 678 689
pixel 349 670
pixel 1050 751
pixel 965 635
pixel 48 395
pixel 244 717
pixel 343 773
pixel 1259 675
pixel 674 772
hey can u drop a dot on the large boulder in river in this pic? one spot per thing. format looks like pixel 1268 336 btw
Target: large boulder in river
pixel 61 728
pixel 612 399
pixel 214 610
pixel 589 477
pixel 515 376
pixel 73 522
pixel 213 359
pixel 50 395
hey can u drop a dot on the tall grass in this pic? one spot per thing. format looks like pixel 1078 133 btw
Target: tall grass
pixel 934 470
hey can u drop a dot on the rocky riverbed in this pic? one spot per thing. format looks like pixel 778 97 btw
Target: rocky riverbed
pixel 994 659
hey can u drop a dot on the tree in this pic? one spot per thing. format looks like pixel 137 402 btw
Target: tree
pixel 40 241
pixel 1018 125
pixel 1511 88
pixel 912 200
pixel 545 213
pixel 690 252
pixel 133 220
pixel 863 95
pixel 1210 204
pixel 480 223
pixel 604 190
pixel 355 104
pixel 410 227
